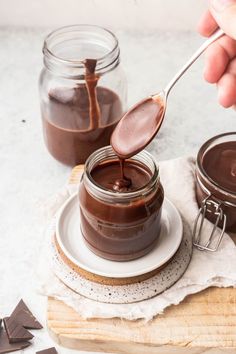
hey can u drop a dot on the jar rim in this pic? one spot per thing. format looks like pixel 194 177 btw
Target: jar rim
pixel 202 171
pixel 113 53
pixel 107 152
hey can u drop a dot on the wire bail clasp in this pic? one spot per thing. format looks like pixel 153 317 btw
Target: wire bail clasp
pixel 214 207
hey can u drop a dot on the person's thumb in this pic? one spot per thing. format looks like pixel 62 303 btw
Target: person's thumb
pixel 224 12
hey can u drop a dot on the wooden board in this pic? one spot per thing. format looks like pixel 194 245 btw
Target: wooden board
pixel 202 321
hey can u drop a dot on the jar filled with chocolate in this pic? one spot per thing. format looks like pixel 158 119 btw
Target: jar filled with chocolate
pixel 120 221
pixel 82 91
pixel 216 183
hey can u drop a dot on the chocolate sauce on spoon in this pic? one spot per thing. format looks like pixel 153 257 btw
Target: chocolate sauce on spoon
pixel 141 123
pixel 135 131
pixel 138 127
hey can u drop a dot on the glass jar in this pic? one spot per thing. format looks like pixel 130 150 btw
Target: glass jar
pixel 120 225
pixel 80 108
pixel 216 182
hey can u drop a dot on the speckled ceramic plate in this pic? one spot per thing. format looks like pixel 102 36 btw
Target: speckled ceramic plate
pixel 128 293
pixel 70 241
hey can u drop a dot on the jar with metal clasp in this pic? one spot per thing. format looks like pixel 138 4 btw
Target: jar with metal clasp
pixel 216 189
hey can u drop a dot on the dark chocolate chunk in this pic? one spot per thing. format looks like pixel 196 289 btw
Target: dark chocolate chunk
pixel 6 347
pixel 16 333
pixel 24 316
pixel 48 351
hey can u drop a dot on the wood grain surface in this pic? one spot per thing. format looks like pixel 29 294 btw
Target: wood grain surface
pixel 202 323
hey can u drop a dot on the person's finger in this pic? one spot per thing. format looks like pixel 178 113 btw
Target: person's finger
pixel 207 24
pixel 216 62
pixel 227 90
pixel 218 56
pixel 224 12
pixel 229 45
pixel 232 67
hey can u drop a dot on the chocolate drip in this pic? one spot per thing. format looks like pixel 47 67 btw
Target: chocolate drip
pixel 124 183
pixel 134 131
pixel 66 122
pixel 111 175
pixel 91 80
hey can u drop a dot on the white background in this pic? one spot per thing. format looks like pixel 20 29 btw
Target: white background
pixel 156 37
pixel 128 14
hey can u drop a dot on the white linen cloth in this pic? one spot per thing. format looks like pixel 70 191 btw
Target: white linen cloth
pixel 205 269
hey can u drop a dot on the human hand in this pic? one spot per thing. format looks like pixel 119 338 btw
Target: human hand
pixel 220 67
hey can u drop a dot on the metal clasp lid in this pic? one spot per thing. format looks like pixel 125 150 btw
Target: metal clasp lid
pixel 209 244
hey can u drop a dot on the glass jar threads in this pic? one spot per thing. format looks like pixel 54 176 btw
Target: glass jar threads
pixel 216 183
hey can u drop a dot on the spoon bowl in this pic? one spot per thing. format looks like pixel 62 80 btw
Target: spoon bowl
pixel 141 123
pixel 139 126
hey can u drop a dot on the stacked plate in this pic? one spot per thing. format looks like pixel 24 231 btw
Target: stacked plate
pixel 119 282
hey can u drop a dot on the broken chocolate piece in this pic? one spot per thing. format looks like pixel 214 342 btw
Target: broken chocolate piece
pixel 48 351
pixel 16 333
pixel 6 347
pixel 24 316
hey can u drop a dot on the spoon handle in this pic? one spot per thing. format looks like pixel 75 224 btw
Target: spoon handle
pixel 219 33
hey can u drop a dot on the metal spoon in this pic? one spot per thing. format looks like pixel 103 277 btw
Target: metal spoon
pixel 141 123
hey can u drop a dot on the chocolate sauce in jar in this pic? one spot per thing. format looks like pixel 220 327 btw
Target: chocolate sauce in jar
pixel 82 91
pixel 124 223
pixel 216 178
pixel 107 175
pixel 219 163
pixel 69 131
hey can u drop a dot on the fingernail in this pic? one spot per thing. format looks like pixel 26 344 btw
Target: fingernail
pixel 221 5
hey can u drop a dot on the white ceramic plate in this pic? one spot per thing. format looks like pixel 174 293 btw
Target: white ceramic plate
pixel 70 240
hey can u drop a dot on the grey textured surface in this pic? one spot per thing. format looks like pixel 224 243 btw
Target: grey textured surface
pixel 29 175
